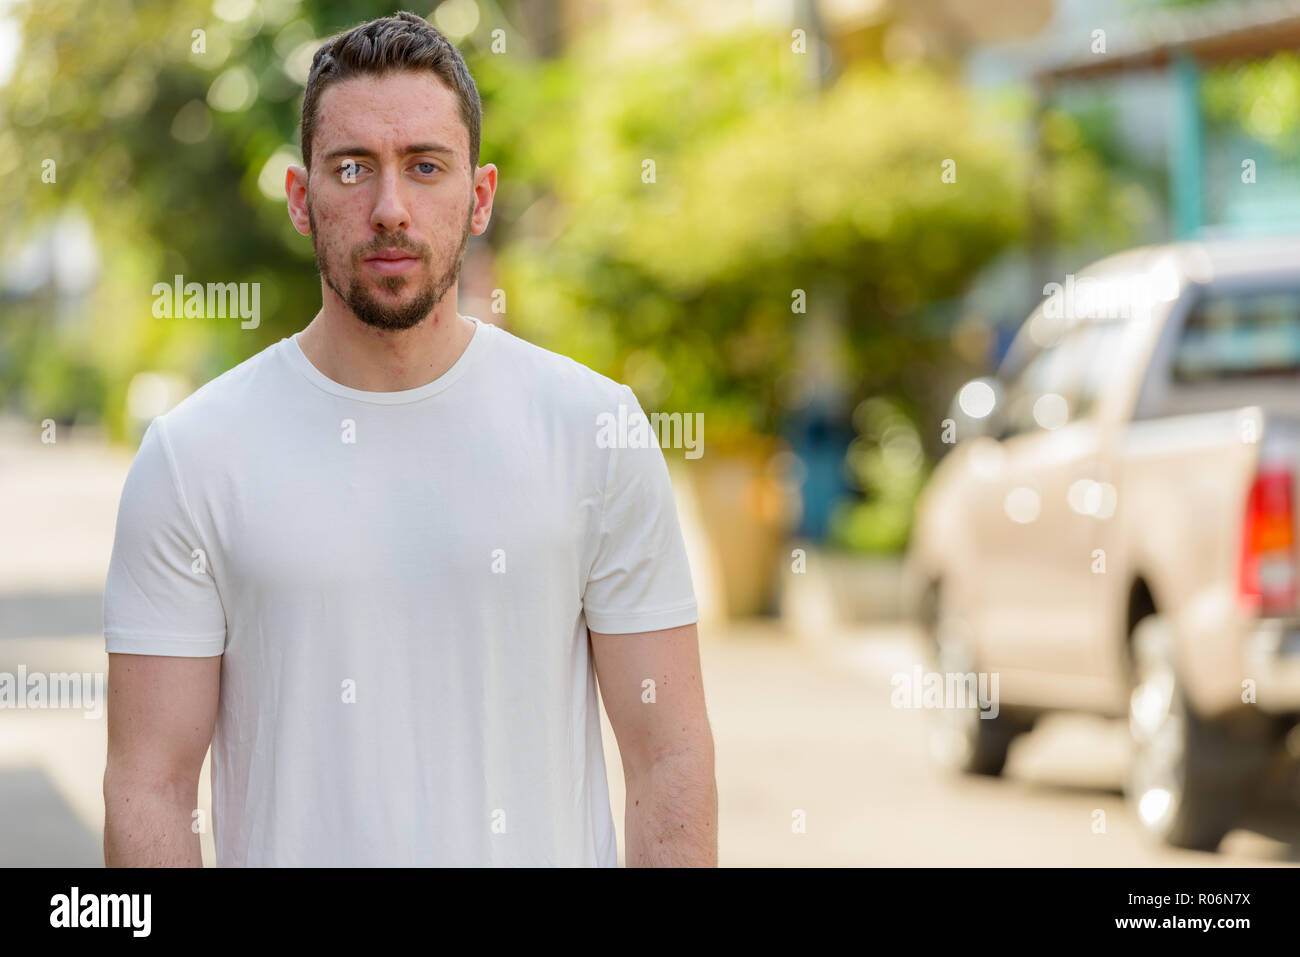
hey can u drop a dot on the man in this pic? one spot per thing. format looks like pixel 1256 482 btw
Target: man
pixel 364 563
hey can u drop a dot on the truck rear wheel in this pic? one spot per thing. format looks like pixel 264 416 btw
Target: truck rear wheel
pixel 1188 777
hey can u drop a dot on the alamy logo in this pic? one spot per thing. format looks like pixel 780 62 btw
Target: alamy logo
pixel 1119 297
pixel 952 689
pixel 675 430
pixel 102 910
pixel 216 300
pixel 59 689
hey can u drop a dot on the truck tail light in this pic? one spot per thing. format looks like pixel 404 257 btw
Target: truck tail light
pixel 1268 545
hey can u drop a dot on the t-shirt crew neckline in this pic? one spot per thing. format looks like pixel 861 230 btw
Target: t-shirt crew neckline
pixel 299 360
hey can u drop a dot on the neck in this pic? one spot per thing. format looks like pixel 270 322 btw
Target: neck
pixel 362 357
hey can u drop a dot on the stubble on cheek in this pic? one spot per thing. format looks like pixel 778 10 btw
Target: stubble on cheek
pixel 319 247
pixel 325 250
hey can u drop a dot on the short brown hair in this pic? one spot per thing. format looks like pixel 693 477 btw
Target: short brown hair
pixel 403 41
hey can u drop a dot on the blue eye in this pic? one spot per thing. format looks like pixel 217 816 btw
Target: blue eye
pixel 349 169
pixel 432 168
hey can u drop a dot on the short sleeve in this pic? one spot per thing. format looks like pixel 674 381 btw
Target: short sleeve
pixel 160 597
pixel 640 579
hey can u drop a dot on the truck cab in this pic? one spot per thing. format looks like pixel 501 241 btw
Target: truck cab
pixel 1114 532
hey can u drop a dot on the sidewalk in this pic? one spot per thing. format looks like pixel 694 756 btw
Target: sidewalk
pixel 58 509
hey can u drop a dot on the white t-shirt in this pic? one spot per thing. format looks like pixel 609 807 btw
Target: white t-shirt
pixel 400 584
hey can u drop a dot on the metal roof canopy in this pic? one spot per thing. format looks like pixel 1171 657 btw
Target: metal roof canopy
pixel 1185 42
pixel 1209 36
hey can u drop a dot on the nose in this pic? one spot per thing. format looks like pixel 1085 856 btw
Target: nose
pixel 389 213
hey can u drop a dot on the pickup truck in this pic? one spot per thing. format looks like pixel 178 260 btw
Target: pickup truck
pixel 1112 529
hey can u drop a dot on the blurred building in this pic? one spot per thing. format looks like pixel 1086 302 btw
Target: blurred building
pixel 1174 48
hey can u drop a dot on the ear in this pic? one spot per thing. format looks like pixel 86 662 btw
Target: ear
pixel 295 187
pixel 485 188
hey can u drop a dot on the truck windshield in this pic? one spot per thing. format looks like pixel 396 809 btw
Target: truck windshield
pixel 1240 335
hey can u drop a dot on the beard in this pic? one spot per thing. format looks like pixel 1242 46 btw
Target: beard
pixel 370 310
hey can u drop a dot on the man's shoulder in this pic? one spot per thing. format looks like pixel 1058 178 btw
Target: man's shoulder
pixel 223 402
pixel 565 381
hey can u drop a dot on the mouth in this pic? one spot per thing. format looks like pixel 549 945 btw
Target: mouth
pixel 390 262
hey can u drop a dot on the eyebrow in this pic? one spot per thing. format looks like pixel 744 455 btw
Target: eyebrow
pixel 406 151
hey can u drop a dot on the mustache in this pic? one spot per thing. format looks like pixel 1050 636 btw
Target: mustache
pixel 391 241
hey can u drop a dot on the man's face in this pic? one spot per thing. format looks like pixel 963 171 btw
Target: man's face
pixel 390 199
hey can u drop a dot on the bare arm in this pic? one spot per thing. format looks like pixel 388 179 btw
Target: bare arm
pixel 671 818
pixel 161 714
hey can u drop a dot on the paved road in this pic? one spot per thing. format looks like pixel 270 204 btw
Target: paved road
pixel 800 726
pixel 814 730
